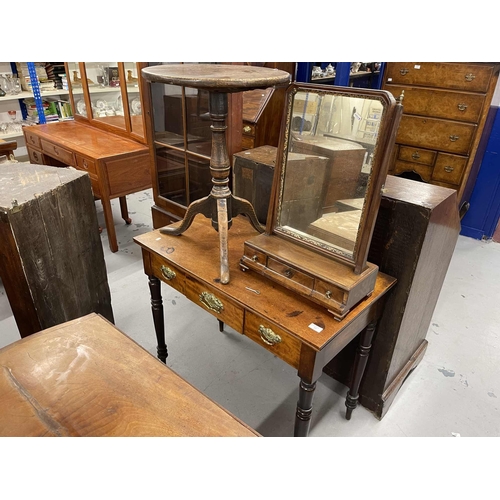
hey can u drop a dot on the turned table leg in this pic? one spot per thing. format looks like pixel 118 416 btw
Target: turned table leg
pixel 158 317
pixel 304 409
pixel 362 353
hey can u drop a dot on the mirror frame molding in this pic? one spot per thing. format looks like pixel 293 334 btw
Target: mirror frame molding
pixel 383 153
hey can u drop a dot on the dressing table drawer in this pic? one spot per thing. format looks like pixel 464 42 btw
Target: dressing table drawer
pixel 86 164
pixel 168 273
pixel 290 273
pixel 215 302
pixel 64 155
pixel 31 139
pixel 273 338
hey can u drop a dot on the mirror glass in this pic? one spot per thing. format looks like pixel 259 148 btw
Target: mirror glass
pixel 104 87
pixel 329 150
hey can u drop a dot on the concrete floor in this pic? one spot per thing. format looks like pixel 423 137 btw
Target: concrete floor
pixel 454 391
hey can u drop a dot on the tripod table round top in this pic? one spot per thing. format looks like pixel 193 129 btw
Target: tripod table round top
pixel 217 77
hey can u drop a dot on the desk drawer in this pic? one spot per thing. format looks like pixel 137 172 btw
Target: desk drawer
pixel 168 273
pixel 35 156
pixel 86 164
pixel 62 154
pixel 273 338
pixel 31 139
pixel 417 155
pixel 215 302
pixel 432 133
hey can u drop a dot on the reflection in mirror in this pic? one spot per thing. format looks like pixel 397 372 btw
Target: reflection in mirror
pixel 327 168
pixel 134 99
pixel 75 80
pixel 105 93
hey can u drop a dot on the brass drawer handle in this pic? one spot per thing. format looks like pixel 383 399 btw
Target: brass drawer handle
pixel 247 129
pixel 167 273
pixel 454 138
pixel 328 294
pixel 448 169
pixel 85 166
pixel 210 301
pixel 255 258
pixel 404 71
pixel 268 336
pixel 462 107
pixel 469 77
pixel 415 155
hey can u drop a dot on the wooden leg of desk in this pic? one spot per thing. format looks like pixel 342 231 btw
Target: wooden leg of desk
pixel 362 353
pixel 158 317
pixel 124 210
pixel 304 409
pixel 221 325
pixel 110 225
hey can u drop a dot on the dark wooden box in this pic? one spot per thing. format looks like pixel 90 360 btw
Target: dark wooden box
pixel 51 256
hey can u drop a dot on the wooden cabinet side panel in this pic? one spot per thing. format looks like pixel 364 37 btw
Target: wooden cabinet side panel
pixel 128 174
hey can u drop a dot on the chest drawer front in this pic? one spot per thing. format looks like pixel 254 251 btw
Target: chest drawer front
pixel 449 168
pixel 460 76
pixel 290 273
pixel 31 139
pixel 58 152
pixel 431 133
pixel 215 302
pixel 273 338
pixel 417 155
pixel 460 106
pixel 86 164
pixel 167 272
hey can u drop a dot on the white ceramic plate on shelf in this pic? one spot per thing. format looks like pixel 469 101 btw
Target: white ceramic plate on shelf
pixel 135 106
pixel 81 108
pixel 101 104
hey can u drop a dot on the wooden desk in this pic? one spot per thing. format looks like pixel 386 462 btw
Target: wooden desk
pixel 86 378
pixel 299 332
pixel 117 166
pixel 7 147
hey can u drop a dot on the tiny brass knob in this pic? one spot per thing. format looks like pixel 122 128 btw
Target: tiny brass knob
pixel 462 107
pixel 453 138
pixel 167 273
pixel 255 258
pixel 268 336
pixel 247 129
pixel 448 169
pixel 328 294
pixel 288 273
pixel 415 155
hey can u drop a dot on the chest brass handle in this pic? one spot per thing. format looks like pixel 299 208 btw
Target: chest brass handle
pixel 404 71
pixel 268 336
pixel 454 138
pixel 415 155
pixel 210 301
pixel 448 169
pixel 462 107
pixel 469 77
pixel 167 273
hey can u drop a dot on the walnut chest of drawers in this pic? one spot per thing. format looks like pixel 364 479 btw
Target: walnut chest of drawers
pixel 445 106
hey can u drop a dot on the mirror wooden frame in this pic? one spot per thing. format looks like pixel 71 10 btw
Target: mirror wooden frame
pixel 316 271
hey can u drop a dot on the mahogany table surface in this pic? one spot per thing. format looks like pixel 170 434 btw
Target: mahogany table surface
pixel 217 77
pixel 86 378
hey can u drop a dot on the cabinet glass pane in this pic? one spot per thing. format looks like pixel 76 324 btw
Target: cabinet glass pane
pixel 199 138
pixel 105 93
pixel 75 80
pixel 134 99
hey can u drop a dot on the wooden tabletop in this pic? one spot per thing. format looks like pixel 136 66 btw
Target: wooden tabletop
pixel 196 253
pixel 217 77
pixel 86 378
